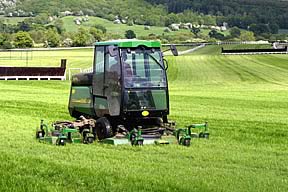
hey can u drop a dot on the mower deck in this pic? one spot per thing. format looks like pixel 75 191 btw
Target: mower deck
pixel 124 141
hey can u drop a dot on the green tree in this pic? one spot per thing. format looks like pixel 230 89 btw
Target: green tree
pixel 130 34
pixel 59 25
pixel 38 35
pixel 101 27
pixel 172 18
pixel 195 30
pixel 274 28
pixel 23 40
pixel 235 32
pixel 52 38
pixel 97 34
pixel 82 38
pixel 247 36
pixel 215 34
pixel 42 18
pixel 259 29
pixel 5 41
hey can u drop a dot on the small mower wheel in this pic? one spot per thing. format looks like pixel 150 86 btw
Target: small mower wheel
pixel 39 134
pixel 90 140
pixel 140 142
pixel 103 128
pixel 187 142
pixel 206 135
pixel 61 142
pixel 201 135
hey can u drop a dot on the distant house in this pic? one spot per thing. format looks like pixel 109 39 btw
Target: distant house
pixel 78 21
pixel 215 27
pixel 223 28
pixel 175 27
pixel 146 27
pixel 67 13
pixel 117 21
pixel 50 18
pixel 188 25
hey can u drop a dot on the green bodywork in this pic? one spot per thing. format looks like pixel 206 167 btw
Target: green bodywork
pixel 81 99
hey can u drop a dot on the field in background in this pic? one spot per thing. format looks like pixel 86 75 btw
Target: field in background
pixel 244 99
pixel 80 58
pixel 83 58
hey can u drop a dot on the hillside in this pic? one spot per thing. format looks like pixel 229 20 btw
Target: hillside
pixel 241 13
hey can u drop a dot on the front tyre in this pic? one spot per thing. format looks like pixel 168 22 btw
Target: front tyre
pixel 103 128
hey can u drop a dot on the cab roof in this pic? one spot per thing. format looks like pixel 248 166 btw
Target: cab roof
pixel 130 43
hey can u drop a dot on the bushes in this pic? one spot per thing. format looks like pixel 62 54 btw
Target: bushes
pixel 23 40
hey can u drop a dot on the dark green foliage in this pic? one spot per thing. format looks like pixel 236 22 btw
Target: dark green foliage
pixel 240 13
pixel 130 34
pixel 5 41
pixel 195 30
pixel 96 33
pixel 58 24
pixel 52 38
pixel 235 32
pixel 38 35
pixel 101 27
pixel 82 38
pixel 25 25
pixel 23 40
pixel 259 29
pixel 215 34
pixel 274 28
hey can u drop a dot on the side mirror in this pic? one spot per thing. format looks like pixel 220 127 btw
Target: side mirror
pixel 174 50
pixel 112 51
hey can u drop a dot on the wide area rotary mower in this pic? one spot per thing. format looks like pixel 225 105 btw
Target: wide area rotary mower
pixel 125 100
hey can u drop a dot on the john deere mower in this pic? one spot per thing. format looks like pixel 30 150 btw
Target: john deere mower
pixel 124 100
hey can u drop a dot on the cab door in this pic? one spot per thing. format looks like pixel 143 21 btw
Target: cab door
pixel 98 83
pixel 112 82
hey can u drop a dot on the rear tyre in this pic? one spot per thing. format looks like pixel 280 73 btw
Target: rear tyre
pixel 103 128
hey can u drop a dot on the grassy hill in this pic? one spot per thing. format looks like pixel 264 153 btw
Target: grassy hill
pixel 120 29
pixel 244 99
pixel 70 25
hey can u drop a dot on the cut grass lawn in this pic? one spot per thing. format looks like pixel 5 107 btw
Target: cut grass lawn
pixel 244 99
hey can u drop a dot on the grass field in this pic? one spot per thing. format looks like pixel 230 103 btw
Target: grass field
pixel 120 29
pixel 244 99
pixel 12 20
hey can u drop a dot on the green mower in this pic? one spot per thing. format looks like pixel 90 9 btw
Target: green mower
pixel 125 100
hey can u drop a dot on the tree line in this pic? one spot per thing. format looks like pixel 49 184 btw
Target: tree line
pixel 240 13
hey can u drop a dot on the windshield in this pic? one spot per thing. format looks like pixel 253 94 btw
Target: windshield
pixel 143 68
